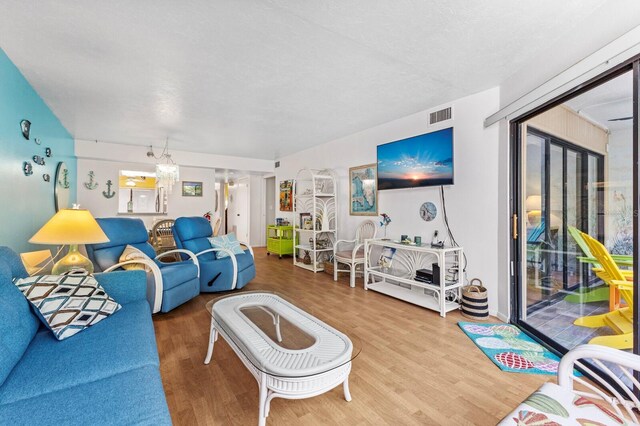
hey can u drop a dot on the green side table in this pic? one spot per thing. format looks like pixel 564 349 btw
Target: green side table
pixel 279 240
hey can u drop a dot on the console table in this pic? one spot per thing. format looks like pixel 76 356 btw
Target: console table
pixel 399 281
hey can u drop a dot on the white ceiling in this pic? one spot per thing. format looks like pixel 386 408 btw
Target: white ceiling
pixel 265 78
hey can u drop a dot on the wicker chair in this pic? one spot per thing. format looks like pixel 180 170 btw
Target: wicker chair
pixel 162 238
pixel 352 251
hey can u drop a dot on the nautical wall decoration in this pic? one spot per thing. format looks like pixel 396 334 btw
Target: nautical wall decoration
pixel 38 160
pixel 92 184
pixel 46 177
pixel 47 152
pixel 25 126
pixel 37 141
pixel 64 179
pixel 108 193
pixel 27 168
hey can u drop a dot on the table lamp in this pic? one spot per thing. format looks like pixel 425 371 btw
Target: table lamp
pixel 71 227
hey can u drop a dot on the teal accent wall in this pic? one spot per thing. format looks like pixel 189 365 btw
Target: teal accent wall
pixel 26 202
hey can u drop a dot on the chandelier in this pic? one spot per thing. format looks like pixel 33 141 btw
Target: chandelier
pixel 167 171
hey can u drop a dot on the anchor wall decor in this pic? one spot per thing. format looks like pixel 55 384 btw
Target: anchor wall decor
pixel 108 193
pixel 64 181
pixel 91 185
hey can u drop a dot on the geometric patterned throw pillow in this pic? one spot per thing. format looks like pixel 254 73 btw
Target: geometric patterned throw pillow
pixel 67 304
pixel 228 241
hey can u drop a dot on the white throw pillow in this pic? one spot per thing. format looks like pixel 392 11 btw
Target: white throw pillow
pixel 132 253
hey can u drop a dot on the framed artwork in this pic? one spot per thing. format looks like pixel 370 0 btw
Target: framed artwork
pixel 286 200
pixel 363 190
pixel 191 189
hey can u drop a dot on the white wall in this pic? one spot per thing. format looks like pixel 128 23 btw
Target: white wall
pixel 258 221
pixel 96 150
pixel 472 203
pixel 105 159
pixel 177 204
pixel 270 199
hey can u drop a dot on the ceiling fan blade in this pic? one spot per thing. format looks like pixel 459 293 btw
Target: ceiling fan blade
pixel 621 119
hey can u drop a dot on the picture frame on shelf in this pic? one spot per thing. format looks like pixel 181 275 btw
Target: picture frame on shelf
pixel 191 189
pixel 306 221
pixel 363 190
pixel 286 199
pixel 386 257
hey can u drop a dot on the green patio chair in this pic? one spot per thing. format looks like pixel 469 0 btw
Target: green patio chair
pixel 601 293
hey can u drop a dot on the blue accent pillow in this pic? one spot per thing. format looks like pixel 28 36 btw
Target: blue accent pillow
pixel 67 304
pixel 228 241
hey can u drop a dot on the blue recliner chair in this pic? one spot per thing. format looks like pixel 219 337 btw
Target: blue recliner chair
pixel 175 283
pixel 229 273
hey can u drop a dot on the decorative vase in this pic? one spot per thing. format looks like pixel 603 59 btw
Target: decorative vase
pixel 307 259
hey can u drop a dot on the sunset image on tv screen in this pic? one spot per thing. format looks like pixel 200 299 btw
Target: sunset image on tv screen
pixel 424 160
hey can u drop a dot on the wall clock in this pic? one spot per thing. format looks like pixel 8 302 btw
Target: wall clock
pixel 428 211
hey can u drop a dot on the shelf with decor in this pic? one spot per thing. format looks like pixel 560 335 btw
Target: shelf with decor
pixel 279 240
pixel 398 270
pixel 315 218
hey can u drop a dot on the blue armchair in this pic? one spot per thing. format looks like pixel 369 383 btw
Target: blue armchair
pixel 173 284
pixel 229 273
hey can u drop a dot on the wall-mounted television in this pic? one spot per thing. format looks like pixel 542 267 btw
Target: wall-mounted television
pixel 423 160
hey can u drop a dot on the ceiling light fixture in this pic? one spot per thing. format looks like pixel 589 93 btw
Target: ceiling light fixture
pixel 167 171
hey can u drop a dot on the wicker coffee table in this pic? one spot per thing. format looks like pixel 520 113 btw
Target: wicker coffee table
pixel 291 353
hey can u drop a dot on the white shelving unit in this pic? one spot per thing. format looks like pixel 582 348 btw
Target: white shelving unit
pixel 315 194
pixel 399 280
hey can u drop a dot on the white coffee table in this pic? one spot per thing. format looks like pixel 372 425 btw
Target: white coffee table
pixel 291 353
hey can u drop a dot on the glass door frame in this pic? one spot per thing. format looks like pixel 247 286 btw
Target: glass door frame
pixel 584 154
pixel 517 207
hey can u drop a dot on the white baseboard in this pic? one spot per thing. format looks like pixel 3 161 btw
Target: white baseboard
pixel 502 317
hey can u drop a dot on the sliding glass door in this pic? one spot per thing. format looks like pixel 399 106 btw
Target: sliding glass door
pixel 557 201
pixel 574 180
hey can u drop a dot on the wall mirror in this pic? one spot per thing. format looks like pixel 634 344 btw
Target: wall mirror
pixel 138 192
pixel 62 187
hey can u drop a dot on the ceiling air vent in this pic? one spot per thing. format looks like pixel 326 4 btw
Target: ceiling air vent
pixel 441 115
pixel 277 164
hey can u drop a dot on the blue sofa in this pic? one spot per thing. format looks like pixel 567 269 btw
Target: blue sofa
pixel 192 233
pixel 107 374
pixel 179 281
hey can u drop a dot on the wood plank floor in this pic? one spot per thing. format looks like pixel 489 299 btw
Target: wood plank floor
pixel 415 368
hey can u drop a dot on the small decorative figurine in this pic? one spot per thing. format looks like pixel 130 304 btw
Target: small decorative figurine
pixel 385 221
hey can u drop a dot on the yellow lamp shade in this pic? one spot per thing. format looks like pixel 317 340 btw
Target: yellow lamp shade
pixel 70 226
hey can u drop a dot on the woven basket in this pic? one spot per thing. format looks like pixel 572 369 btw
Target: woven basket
pixel 328 268
pixel 475 304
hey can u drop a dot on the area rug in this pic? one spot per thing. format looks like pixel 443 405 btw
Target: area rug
pixel 511 349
